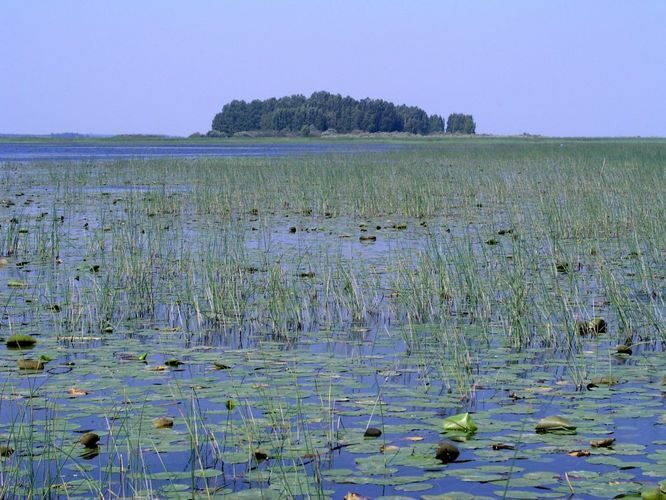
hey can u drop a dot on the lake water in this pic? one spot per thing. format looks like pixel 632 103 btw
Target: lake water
pixel 12 152
pixel 253 307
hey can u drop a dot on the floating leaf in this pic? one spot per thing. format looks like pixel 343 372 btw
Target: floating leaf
pixel 372 432
pixel 75 393
pixel 654 493
pixel 163 423
pixel 16 284
pixel 173 362
pixel 556 424
pixel 143 356
pixel 602 443
pixel 89 440
pixel 389 448
pixel 355 496
pixel 29 364
pixel 446 452
pixel 460 423
pixel 606 380
pixel 579 453
pixel 503 446
pixel 582 328
pixel 594 326
pixel 598 325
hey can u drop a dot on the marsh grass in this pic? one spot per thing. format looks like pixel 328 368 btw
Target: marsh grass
pixel 481 246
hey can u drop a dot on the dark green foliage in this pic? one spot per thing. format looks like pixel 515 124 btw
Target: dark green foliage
pixel 323 111
pixel 459 123
pixel 20 340
pixel 435 124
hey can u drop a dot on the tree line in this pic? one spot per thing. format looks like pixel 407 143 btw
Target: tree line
pixel 325 111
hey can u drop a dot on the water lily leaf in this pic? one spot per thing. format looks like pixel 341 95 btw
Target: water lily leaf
pixel 389 448
pixel 29 364
pixel 207 473
pixel 355 496
pixel 455 495
pixel 606 380
pixel 446 452
pixel 89 439
pixel 602 443
pixel 158 368
pixel 526 494
pixel 414 487
pixel 555 424
pixel 163 423
pixel 654 493
pixel 372 432
pixel 579 453
pixel 460 423
pixel 6 450
pixel 75 393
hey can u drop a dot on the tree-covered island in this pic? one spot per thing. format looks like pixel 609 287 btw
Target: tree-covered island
pixel 323 111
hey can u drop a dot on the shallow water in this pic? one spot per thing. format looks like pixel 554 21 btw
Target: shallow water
pixel 312 360
pixel 54 151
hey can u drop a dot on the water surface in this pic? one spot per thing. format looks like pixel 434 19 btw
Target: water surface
pixel 64 151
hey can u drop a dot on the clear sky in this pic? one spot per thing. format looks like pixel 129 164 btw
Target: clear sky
pixel 552 67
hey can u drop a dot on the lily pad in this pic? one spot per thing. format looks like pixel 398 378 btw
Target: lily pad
pixel 555 424
pixel 446 452
pixel 372 432
pixel 89 440
pixel 163 423
pixel 606 380
pixel 29 364
pixel 460 423
pixel 598 325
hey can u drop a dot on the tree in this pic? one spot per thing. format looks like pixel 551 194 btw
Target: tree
pixel 435 124
pixel 459 123
pixel 324 111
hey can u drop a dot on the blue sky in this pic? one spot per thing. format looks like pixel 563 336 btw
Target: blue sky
pixel 555 67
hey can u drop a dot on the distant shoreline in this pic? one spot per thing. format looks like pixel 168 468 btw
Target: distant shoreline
pixel 241 138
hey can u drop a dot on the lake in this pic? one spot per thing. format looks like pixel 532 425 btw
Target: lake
pixel 55 151
pixel 309 325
